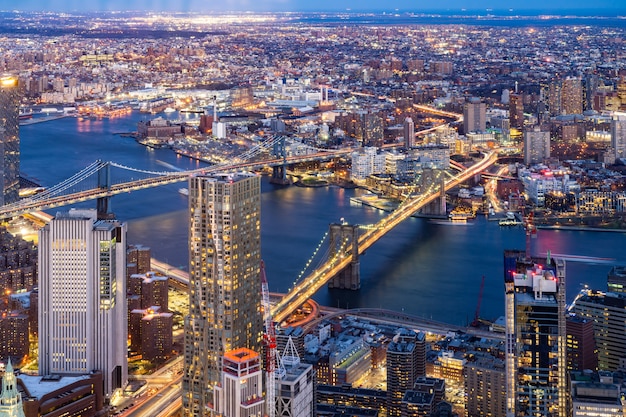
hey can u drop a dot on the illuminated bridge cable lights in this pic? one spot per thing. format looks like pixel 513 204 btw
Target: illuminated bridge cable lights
pixel 143 171
pixel 333 266
pixel 310 260
pixel 61 187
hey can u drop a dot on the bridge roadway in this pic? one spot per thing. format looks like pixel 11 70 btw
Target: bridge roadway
pixel 310 284
pixel 39 203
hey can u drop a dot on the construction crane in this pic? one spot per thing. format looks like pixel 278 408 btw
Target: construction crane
pixel 269 340
pixel 476 321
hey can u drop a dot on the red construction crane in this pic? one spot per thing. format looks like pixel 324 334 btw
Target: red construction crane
pixel 269 340
pixel 475 323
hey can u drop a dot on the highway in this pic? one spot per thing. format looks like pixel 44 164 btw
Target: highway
pixel 309 285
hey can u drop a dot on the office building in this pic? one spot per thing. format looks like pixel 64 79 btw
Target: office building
pixel 406 360
pixel 225 289
pixel 474 116
pixel 607 311
pixel 409 133
pixel 536 146
pixel 516 111
pixel 82 297
pixel 10 96
pixel 616 280
pixel 240 392
pixel 295 386
pixel 618 134
pixel 596 394
pixel 347 395
pixel 67 396
pixel 485 384
pixel 535 357
pixel 417 404
pixel 581 344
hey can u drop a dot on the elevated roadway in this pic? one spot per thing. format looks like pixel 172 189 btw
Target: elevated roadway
pixel 41 202
pixel 333 266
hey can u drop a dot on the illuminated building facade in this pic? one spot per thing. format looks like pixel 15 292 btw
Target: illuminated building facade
pixel 618 134
pixel 572 96
pixel 536 146
pixel 535 357
pixel 596 394
pixel 485 387
pixel 516 111
pixel 240 393
pixel 474 116
pixel 406 360
pixel 10 139
pixel 82 297
pixel 225 290
pixel 607 311
pixel 581 344
pixel 409 133
pixel 616 279
pixel 294 387
pixel 14 336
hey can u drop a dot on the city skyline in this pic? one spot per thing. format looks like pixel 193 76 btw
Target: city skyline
pixel 602 7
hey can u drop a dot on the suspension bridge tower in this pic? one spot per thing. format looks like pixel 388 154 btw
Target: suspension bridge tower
pixel 345 238
pixel 279 172
pixel 103 204
pixel 438 207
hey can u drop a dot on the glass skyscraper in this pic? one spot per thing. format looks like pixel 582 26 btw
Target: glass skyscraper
pixel 224 286
pixel 9 140
pixel 535 356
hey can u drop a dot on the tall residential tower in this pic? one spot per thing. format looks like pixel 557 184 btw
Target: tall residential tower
pixel 9 140
pixel 82 297
pixel 225 289
pixel 535 357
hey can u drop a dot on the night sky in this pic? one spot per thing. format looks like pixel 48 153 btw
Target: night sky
pixel 593 7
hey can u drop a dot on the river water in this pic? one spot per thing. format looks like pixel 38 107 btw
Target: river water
pixel 423 268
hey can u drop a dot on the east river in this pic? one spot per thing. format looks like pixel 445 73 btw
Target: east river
pixel 423 268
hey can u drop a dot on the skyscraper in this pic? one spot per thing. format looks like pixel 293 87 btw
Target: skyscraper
pixel 572 96
pixel 225 290
pixel 10 140
pixel 516 111
pixel 474 116
pixel 406 360
pixel 409 133
pixel 82 297
pixel 607 312
pixel 240 392
pixel 536 146
pixel 535 356
pixel 618 134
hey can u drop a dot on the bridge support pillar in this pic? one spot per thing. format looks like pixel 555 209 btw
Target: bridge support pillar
pixel 279 175
pixel 438 207
pixel 103 204
pixel 345 236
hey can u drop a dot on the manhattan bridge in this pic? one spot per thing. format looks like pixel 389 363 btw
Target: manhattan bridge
pixel 101 180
